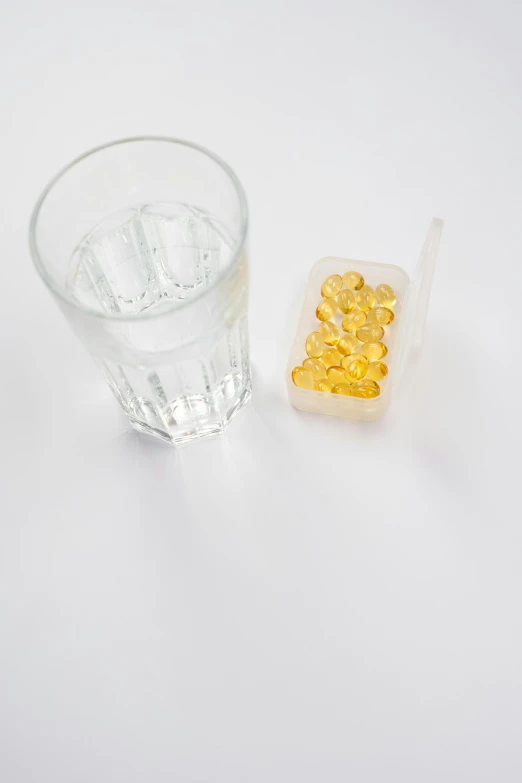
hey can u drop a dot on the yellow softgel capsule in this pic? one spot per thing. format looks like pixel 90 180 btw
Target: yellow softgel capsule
pixel 347 344
pixel 380 315
pixel 316 367
pixel 356 368
pixel 331 286
pixel 326 309
pixel 331 357
pixel 365 389
pixel 375 371
pixel 330 332
pixel 336 375
pixel 373 350
pixel 370 333
pixel 345 360
pixel 367 383
pixel 324 385
pixel 353 280
pixel 353 321
pixel 365 298
pixel 346 300
pixel 342 388
pixel 315 345
pixel 303 378
pixel 385 295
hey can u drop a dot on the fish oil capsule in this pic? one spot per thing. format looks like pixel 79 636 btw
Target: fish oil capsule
pixel 356 368
pixel 353 321
pixel 345 360
pixel 303 378
pixel 347 344
pixel 330 332
pixel 326 309
pixel 365 298
pixel 353 280
pixel 331 286
pixel 346 300
pixel 316 367
pixel 365 389
pixel 367 383
pixel 385 295
pixel 336 375
pixel 331 357
pixel 324 385
pixel 373 350
pixel 315 345
pixel 380 315
pixel 375 371
pixel 342 388
pixel 370 333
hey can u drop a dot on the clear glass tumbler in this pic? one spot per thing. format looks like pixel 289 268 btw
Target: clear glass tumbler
pixel 143 245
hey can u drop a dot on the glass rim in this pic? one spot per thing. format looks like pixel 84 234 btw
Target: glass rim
pixel 179 304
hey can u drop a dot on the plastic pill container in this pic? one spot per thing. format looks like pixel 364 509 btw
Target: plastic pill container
pixel 403 337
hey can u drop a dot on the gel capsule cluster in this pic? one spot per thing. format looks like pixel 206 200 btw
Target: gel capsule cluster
pixel 348 360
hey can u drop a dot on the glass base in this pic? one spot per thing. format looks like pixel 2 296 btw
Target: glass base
pixel 176 437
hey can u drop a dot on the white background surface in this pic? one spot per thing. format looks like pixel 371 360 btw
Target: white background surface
pixel 305 599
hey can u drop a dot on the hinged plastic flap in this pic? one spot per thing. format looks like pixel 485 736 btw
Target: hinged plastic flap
pixel 411 328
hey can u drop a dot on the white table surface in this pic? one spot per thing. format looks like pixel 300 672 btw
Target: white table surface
pixel 305 600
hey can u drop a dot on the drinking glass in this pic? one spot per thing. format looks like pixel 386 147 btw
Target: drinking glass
pixel 142 243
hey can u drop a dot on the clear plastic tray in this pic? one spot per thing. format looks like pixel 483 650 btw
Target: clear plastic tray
pixel 403 337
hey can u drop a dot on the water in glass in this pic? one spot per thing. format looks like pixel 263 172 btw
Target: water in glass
pixel 147 261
